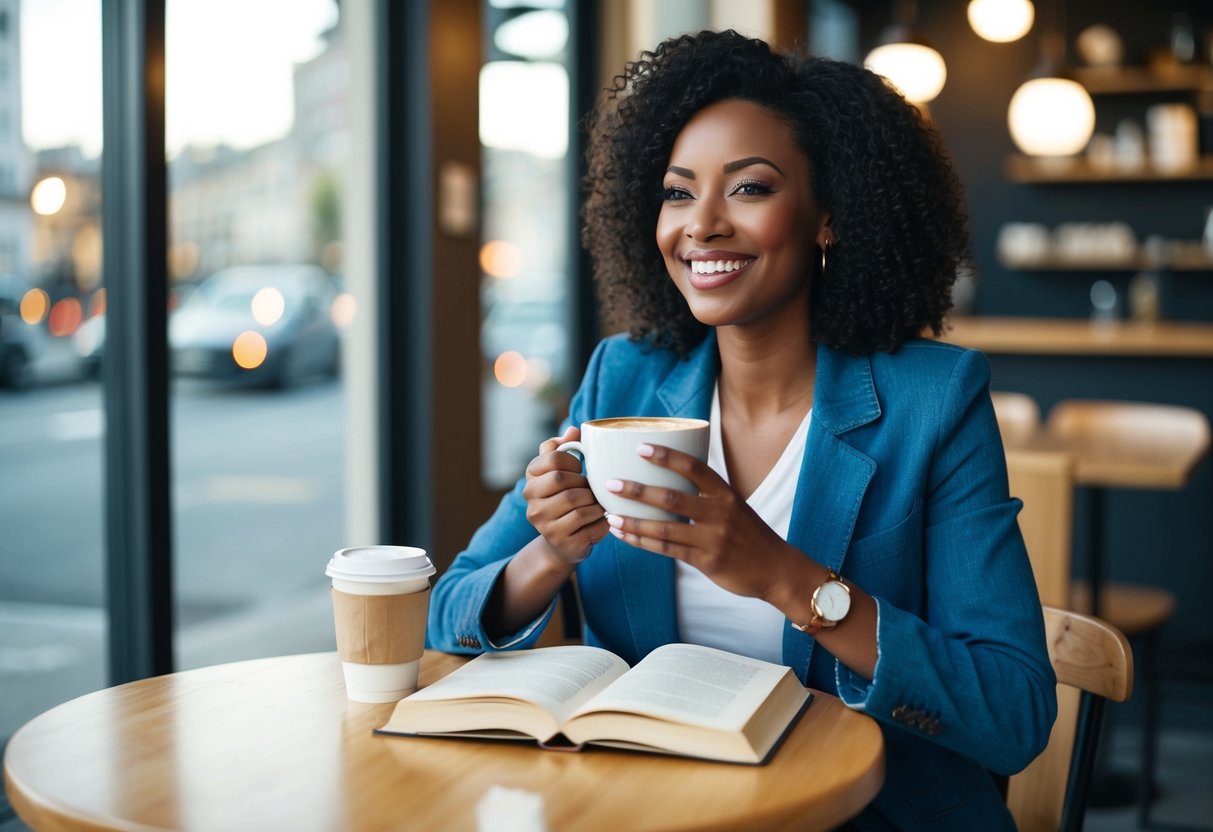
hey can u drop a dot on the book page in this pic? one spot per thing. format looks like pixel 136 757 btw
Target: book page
pixel 558 679
pixel 692 684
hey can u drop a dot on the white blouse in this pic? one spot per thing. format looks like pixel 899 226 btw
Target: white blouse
pixel 713 616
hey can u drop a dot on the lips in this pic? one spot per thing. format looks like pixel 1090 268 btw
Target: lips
pixel 712 269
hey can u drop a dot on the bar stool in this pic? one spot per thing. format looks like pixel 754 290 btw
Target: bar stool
pixel 1141 446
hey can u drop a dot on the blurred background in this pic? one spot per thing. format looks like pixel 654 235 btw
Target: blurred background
pixel 376 305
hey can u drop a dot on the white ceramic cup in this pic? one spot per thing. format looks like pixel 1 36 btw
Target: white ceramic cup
pixel 608 450
pixel 380 600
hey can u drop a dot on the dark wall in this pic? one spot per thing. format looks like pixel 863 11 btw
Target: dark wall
pixel 1158 537
pixel 971 112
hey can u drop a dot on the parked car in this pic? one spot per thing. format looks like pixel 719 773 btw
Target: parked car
pixel 258 324
pixel 89 343
pixel 536 327
pixel 19 341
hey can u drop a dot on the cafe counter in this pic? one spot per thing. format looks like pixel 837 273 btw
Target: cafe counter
pixel 1069 336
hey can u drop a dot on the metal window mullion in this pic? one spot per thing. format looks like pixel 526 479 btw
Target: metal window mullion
pixel 138 508
pixel 404 271
pixel 585 34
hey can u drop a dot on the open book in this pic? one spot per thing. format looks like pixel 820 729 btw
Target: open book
pixel 680 699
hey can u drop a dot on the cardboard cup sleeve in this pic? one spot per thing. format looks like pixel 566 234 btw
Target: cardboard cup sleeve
pixel 380 629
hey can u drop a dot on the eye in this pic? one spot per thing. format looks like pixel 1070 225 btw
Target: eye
pixel 675 193
pixel 752 187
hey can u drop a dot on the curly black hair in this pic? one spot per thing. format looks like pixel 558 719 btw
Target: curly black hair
pixel 896 205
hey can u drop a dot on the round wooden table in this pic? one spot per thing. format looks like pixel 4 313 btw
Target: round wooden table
pixel 274 744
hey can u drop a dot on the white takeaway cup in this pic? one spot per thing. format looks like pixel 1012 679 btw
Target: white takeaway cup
pixel 380 600
pixel 608 449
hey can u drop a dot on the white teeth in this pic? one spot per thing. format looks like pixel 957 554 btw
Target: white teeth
pixel 717 266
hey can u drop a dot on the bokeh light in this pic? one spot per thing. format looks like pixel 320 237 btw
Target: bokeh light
pixel 48 196
pixel 249 349
pixel 343 310
pixel 510 369
pixel 268 305
pixel 500 258
pixel 65 317
pixel 34 305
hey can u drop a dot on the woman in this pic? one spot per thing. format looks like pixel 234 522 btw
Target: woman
pixel 778 233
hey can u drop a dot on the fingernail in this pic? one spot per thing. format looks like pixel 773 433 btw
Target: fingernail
pixel 617 532
pixel 614 485
pixel 645 450
pixel 615 521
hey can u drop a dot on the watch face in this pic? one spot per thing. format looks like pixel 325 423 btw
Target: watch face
pixel 833 600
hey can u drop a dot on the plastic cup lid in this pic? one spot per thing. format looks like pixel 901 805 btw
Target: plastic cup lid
pixel 380 564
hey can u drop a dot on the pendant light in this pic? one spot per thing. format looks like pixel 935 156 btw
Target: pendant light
pixel 1051 114
pixel 1001 21
pixel 906 59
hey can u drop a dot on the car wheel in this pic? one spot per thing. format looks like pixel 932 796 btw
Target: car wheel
pixel 15 372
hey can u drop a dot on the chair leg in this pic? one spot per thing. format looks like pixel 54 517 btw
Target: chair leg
pixel 1149 745
pixel 1082 763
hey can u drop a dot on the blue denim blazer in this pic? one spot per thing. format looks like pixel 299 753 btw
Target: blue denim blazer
pixel 903 490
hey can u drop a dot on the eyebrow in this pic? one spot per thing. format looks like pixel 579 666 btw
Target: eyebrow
pixel 729 167
pixel 751 160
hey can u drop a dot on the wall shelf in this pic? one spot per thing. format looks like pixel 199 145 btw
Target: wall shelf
pixel 1178 262
pixel 1077 170
pixel 1138 80
pixel 1065 336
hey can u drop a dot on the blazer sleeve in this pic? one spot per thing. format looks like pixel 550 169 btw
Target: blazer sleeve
pixel 458 599
pixel 972 673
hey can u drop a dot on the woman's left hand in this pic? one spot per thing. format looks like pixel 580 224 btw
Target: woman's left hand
pixel 725 540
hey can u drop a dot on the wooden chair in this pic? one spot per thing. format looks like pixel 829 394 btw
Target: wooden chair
pixel 1044 481
pixel 1093 663
pixel 1018 416
pixel 1118 433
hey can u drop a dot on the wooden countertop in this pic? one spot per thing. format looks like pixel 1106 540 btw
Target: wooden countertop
pixel 1078 336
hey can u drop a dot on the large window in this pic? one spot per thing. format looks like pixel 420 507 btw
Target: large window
pixel 257 129
pixel 526 340
pixel 52 617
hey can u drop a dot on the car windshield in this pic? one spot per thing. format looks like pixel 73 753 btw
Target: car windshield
pixel 235 291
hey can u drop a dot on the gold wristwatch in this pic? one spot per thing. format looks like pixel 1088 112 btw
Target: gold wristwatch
pixel 830 603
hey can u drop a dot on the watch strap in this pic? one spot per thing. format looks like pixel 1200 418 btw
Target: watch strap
pixel 816 623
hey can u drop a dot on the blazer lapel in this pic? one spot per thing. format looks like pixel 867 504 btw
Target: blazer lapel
pixel 833 477
pixel 647 579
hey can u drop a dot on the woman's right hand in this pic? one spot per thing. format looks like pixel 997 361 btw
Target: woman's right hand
pixel 560 504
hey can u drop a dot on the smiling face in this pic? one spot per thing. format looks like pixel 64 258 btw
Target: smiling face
pixel 739 228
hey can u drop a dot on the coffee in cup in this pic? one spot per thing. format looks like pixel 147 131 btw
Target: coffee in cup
pixel 608 450
pixel 381 596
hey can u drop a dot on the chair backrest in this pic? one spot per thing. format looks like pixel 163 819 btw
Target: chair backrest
pixel 1044 480
pixel 1093 663
pixel 1018 415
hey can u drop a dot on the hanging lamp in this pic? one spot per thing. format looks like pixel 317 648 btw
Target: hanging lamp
pixel 907 60
pixel 1051 114
pixel 1001 21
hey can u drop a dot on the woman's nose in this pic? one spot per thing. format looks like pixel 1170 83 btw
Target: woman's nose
pixel 707 221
